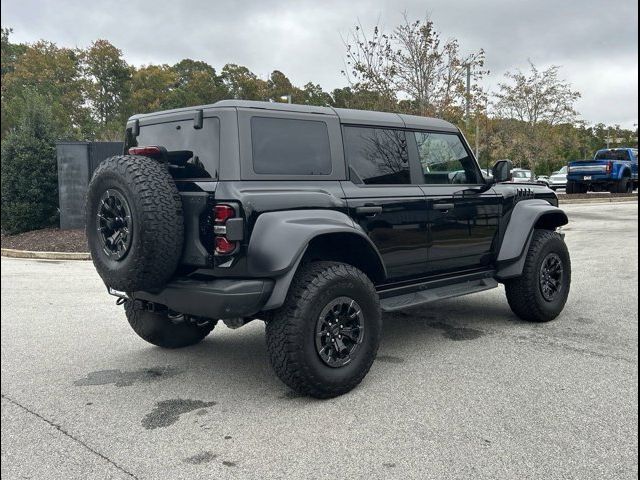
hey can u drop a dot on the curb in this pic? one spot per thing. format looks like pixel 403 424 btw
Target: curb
pixel 568 201
pixel 10 252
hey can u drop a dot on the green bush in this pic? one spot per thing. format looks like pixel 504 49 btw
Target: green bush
pixel 29 171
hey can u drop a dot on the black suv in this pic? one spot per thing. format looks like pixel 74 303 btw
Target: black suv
pixel 315 220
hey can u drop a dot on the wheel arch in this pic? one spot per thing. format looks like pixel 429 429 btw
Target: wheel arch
pixel 625 173
pixel 527 216
pixel 281 241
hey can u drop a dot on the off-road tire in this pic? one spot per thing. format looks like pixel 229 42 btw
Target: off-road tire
pixel 290 332
pixel 571 188
pixel 157 223
pixel 158 329
pixel 625 185
pixel 524 293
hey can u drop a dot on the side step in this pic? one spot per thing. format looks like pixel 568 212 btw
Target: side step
pixel 407 300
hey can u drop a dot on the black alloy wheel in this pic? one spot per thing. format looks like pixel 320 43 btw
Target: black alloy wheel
pixel 339 331
pixel 115 228
pixel 551 273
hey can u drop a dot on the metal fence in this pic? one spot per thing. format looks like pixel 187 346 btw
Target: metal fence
pixel 76 163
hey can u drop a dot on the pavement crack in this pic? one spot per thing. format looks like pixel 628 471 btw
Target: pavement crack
pixel 69 435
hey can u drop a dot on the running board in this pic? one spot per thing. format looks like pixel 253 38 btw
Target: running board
pixel 407 300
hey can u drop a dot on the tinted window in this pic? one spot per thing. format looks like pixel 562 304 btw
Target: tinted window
pixel 613 154
pixel 290 147
pixel 445 160
pixel 377 155
pixel 204 144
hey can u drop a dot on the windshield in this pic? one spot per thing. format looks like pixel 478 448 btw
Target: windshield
pixel 562 171
pixel 612 155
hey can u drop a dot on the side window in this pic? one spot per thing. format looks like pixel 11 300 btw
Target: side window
pixel 377 156
pixel 445 160
pixel 285 146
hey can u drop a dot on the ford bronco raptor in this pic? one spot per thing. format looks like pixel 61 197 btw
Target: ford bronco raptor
pixel 314 220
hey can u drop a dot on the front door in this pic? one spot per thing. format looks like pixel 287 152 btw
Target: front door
pixel 383 200
pixel 463 215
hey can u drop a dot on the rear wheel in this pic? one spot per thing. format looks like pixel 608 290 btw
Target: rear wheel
pixel 571 187
pixel 165 330
pixel 324 339
pixel 541 292
pixel 625 185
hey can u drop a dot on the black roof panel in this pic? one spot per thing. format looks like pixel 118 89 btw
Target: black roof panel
pixel 361 117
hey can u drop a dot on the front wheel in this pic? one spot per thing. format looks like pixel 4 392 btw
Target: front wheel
pixel 325 337
pixel 541 292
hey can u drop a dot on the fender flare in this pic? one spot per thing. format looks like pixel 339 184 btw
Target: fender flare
pixel 280 239
pixel 625 172
pixel 526 215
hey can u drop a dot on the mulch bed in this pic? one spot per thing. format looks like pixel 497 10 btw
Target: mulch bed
pixel 47 240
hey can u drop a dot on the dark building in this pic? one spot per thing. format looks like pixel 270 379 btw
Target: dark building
pixel 76 163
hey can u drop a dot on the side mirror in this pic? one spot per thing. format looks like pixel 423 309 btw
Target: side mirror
pixel 502 171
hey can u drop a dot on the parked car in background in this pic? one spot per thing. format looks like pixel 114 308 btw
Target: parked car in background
pixel 520 175
pixel 543 180
pixel 612 169
pixel 558 179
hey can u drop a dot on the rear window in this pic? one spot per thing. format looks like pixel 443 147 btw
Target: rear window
pixel 612 155
pixel 204 144
pixel 282 146
pixel 377 156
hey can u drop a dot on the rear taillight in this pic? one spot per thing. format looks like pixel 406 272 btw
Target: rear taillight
pixel 609 167
pixel 221 214
pixel 224 246
pixel 149 151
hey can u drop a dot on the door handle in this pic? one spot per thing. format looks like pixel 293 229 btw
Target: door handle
pixel 443 206
pixel 369 210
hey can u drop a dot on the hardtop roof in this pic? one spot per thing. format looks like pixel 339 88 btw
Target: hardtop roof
pixel 345 115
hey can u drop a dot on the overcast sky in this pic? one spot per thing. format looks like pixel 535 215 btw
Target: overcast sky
pixel 595 41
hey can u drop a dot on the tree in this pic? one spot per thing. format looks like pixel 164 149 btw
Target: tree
pixel 243 84
pixel 197 84
pixel 55 74
pixel 312 94
pixel 413 64
pixel 539 102
pixel 152 87
pixel 10 53
pixel 29 170
pixel 109 83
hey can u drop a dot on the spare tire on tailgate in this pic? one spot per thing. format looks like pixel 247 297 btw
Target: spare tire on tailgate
pixel 134 223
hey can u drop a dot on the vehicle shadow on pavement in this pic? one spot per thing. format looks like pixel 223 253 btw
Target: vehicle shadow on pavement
pixel 238 361
pixel 232 360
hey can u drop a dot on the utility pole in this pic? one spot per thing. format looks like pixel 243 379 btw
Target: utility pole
pixel 468 103
pixel 477 137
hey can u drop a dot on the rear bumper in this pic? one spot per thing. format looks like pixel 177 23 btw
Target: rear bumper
pixel 219 298
pixel 595 178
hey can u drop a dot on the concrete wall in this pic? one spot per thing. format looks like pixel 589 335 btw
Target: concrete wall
pixel 76 163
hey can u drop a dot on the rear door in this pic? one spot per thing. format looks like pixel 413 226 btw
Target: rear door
pixel 383 199
pixel 463 217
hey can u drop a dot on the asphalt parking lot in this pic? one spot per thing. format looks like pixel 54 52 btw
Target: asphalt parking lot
pixel 461 388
